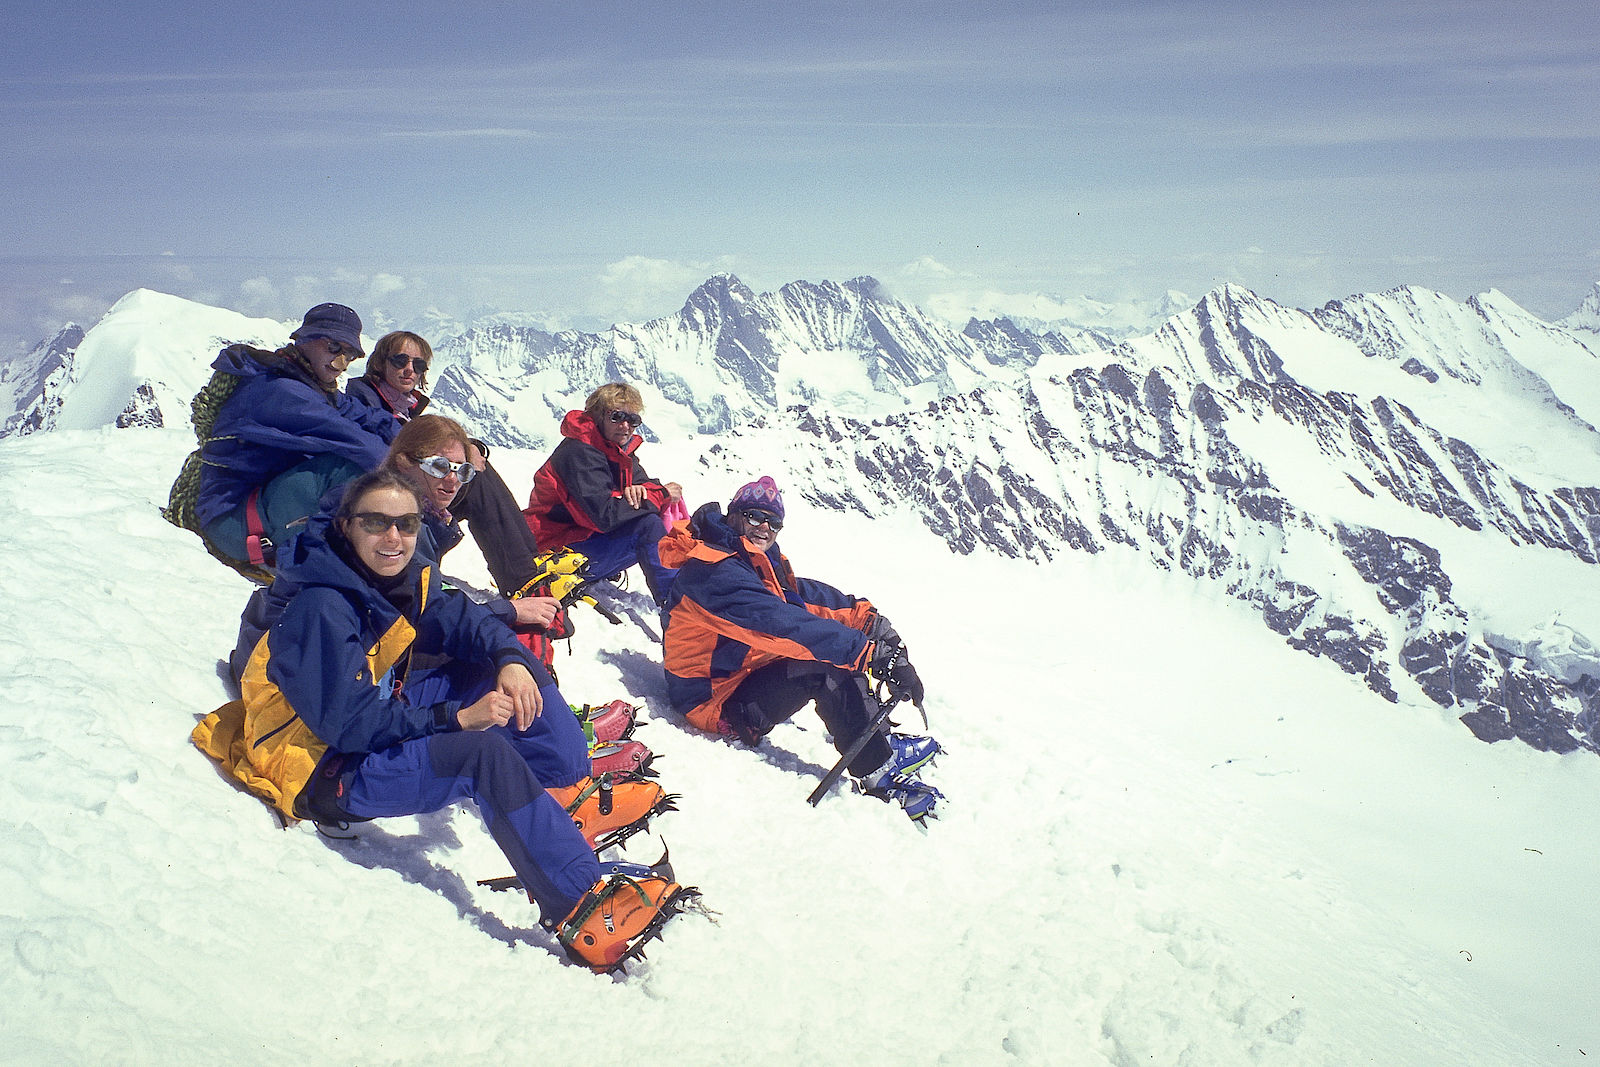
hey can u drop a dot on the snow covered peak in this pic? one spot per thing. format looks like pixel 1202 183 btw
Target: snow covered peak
pixel 138 366
pixel 722 291
pixel 1587 317
pixel 26 381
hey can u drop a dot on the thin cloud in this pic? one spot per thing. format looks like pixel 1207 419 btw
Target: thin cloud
pixel 478 131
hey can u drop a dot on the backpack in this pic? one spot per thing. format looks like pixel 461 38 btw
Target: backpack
pixel 185 490
pixel 203 416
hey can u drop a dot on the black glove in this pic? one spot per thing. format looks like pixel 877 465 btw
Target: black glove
pixel 905 683
pixel 886 651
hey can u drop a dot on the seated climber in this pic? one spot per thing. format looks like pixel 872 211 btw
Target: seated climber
pixel 748 644
pixel 378 693
pixel 593 496
pixel 283 436
pixel 396 372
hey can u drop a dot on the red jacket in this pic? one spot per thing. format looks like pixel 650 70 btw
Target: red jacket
pixel 578 491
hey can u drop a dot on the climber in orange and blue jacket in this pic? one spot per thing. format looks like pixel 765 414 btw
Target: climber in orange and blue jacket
pixel 748 644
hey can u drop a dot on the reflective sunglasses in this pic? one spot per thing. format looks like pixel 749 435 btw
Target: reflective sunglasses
pixel 633 420
pixel 376 522
pixel 439 467
pixel 399 360
pixel 757 517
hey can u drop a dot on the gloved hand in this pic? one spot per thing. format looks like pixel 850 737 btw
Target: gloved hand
pixel 904 682
pixel 886 650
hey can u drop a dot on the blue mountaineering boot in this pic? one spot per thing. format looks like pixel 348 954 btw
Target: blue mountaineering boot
pixel 917 797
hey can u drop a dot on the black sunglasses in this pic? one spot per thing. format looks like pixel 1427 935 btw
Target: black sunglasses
pixel 376 522
pixel 338 348
pixel 399 360
pixel 757 517
pixel 633 420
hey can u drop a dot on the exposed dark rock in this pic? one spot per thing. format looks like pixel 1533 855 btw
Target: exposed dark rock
pixel 143 410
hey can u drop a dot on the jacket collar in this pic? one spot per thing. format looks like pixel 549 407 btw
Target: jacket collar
pixel 580 427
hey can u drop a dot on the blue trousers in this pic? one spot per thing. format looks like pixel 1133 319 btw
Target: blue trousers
pixel 635 541
pixel 505 773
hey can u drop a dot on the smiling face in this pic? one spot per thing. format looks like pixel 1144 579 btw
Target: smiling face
pixel 386 552
pixel 328 359
pixel 762 534
pixel 406 378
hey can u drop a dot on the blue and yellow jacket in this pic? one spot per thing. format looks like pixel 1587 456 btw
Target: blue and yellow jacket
pixel 333 673
pixel 734 609
pixel 267 602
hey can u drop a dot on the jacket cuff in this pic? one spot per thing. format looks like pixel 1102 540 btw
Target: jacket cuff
pixel 444 717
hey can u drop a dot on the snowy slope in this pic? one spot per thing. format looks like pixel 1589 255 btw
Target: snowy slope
pixel 1170 837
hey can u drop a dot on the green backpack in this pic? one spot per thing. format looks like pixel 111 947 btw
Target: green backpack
pixel 185 491
pixel 203 416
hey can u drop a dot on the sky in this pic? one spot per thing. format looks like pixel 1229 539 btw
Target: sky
pixel 594 163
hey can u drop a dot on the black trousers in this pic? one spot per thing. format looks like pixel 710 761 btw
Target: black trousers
pixel 495 520
pixel 777 691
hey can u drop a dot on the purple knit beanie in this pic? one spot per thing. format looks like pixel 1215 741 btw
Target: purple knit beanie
pixel 761 493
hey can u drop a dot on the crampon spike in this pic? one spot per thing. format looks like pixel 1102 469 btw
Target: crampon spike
pixel 677 902
pixel 615 838
pixel 612 807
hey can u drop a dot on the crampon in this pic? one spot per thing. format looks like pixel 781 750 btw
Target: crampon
pixel 622 913
pixel 615 721
pixel 621 756
pixel 613 806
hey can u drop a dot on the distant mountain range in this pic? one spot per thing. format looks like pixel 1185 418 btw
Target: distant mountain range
pixel 1368 476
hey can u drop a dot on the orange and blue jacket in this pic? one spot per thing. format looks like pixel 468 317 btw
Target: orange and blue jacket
pixel 578 491
pixel 734 609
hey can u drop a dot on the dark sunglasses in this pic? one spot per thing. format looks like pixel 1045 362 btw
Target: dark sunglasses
pixel 399 360
pixel 376 522
pixel 757 517
pixel 439 467
pixel 628 417
pixel 339 348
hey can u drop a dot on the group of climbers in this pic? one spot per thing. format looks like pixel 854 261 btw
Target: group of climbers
pixel 370 686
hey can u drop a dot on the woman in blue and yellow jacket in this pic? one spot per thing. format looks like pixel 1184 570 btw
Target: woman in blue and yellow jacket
pixel 748 644
pixel 378 694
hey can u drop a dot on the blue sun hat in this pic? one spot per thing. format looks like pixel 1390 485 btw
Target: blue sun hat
pixel 333 321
